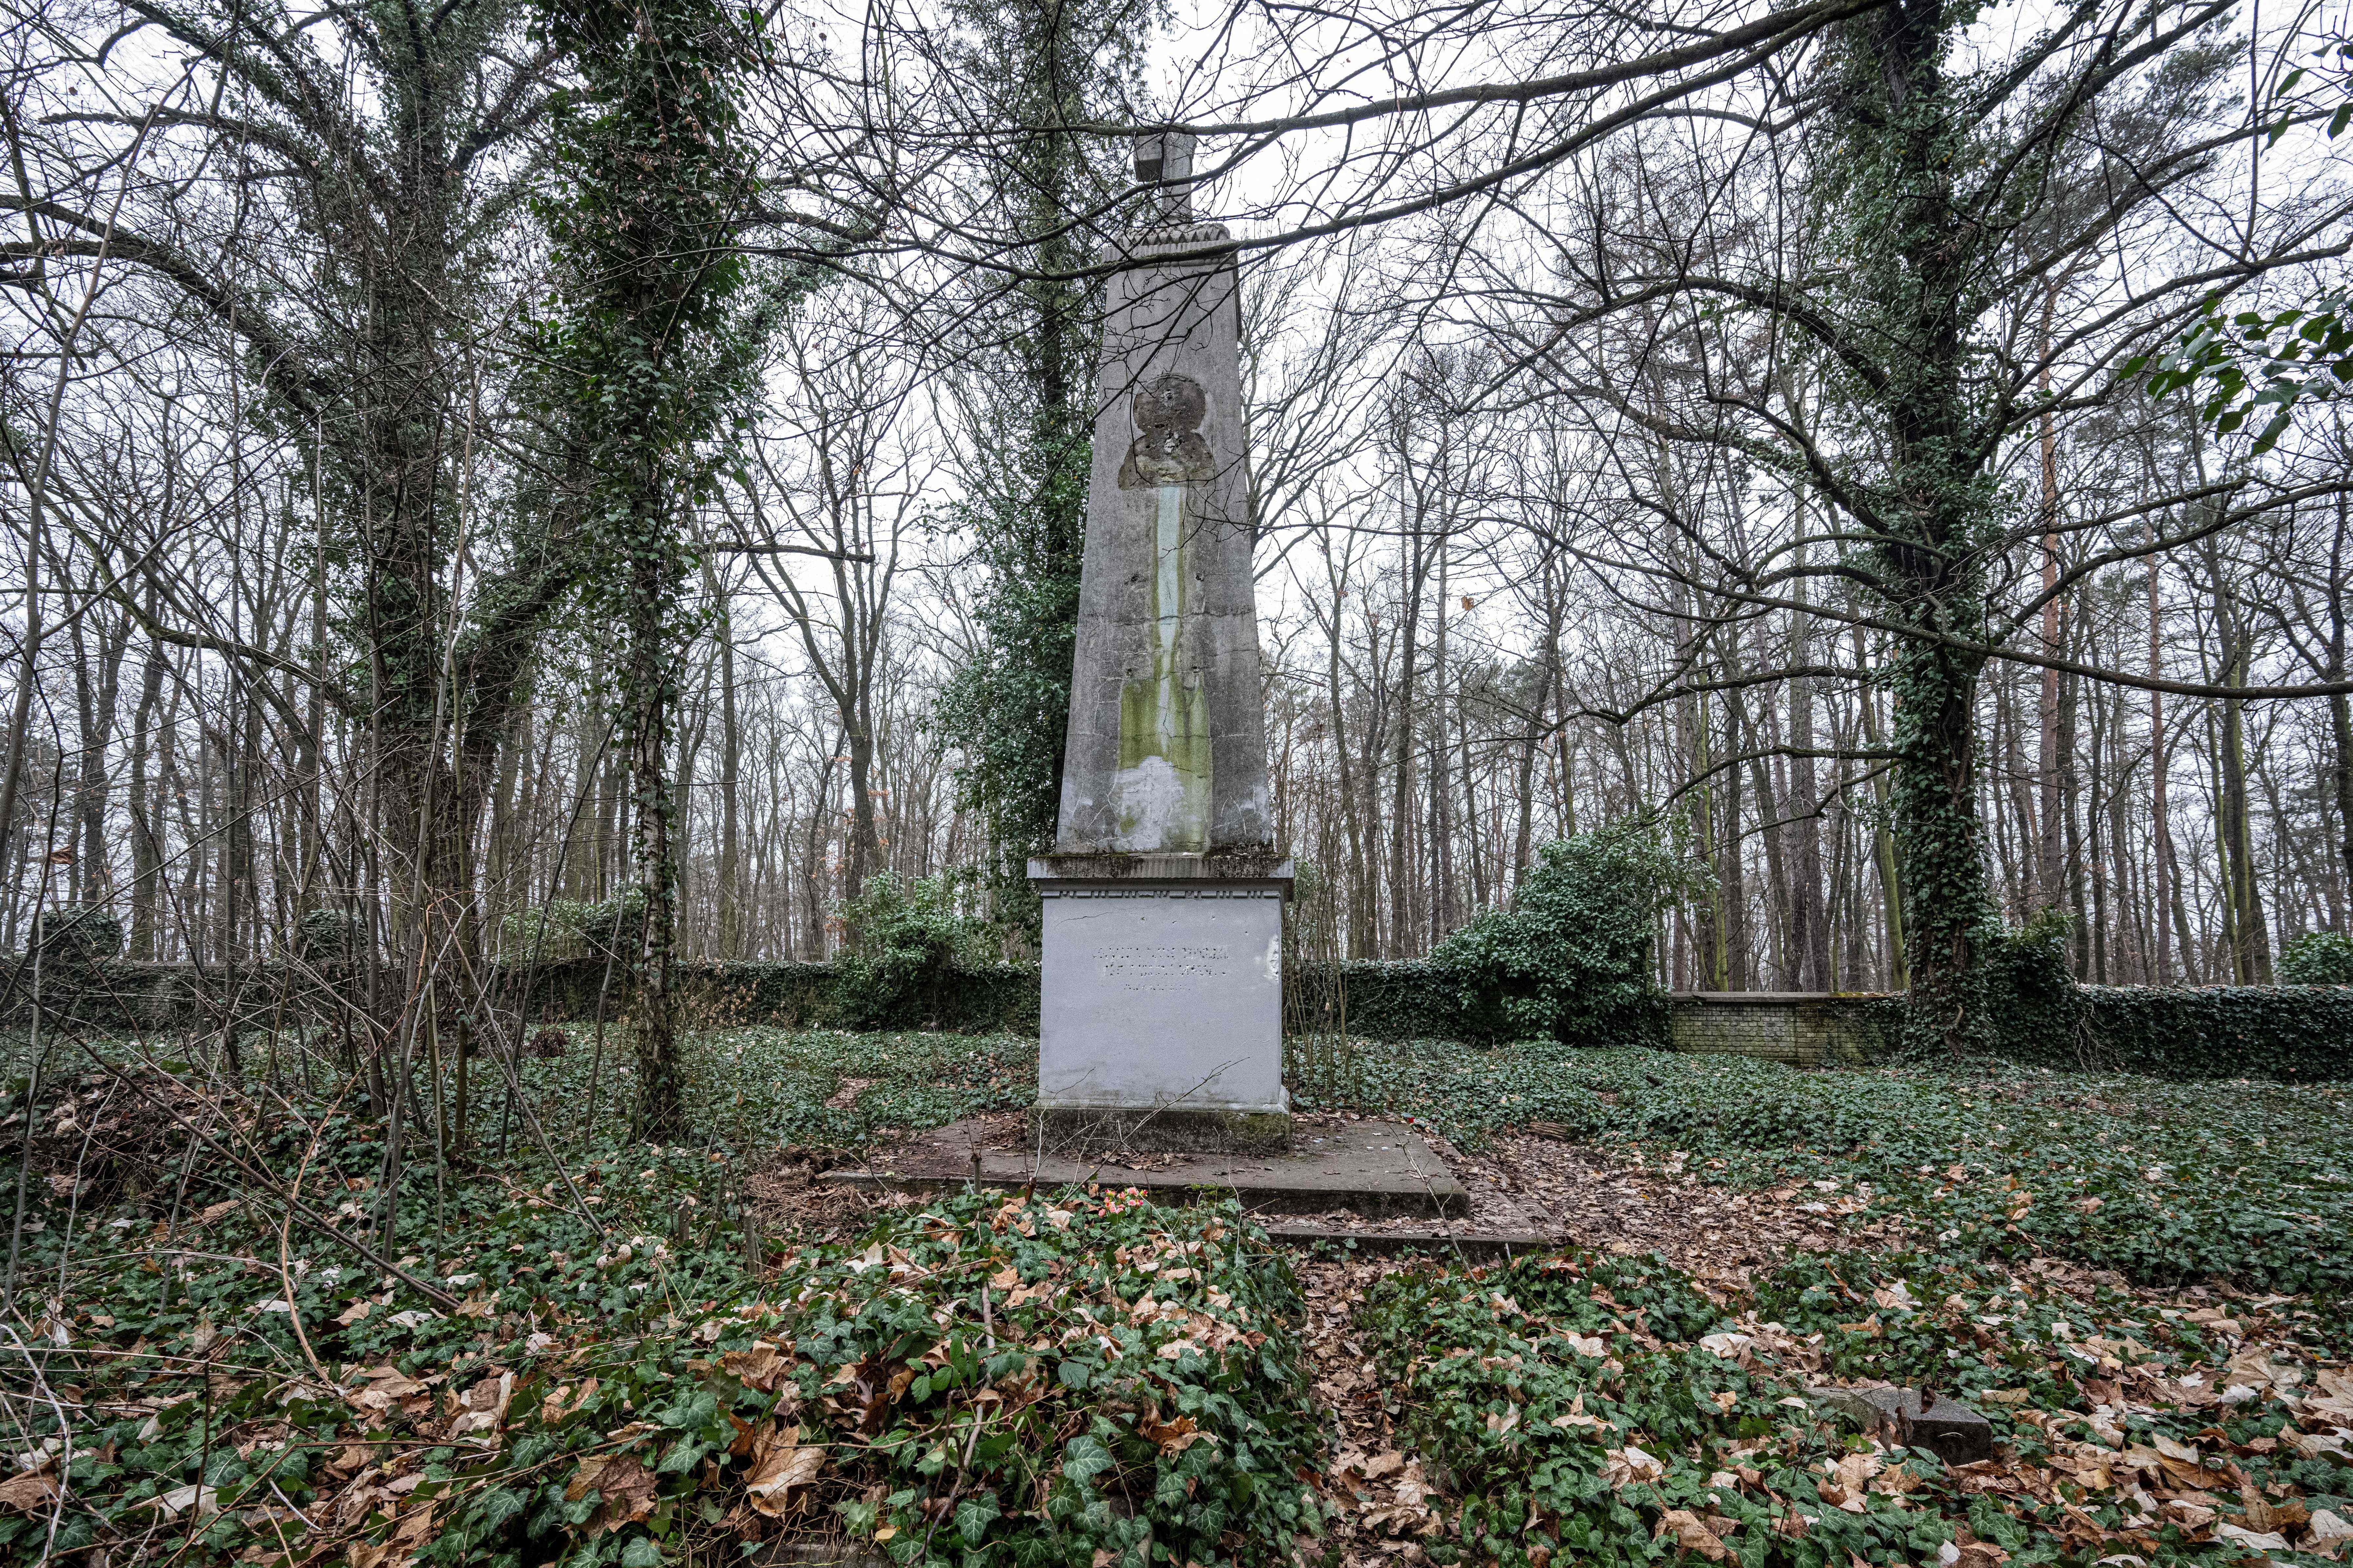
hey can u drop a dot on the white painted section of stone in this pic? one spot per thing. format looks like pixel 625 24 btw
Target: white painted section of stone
pixel 1160 996
pixel 1156 807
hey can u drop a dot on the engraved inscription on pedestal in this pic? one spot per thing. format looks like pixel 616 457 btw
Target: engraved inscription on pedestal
pixel 1161 996
pixel 1144 970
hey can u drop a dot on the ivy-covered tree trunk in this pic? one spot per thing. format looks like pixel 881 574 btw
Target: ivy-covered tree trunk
pixel 1044 67
pixel 1947 912
pixel 1916 256
pixel 650 372
pixel 649 691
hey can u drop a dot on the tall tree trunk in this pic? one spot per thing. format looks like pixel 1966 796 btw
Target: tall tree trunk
pixel 1442 903
pixel 2051 753
pixel 146 850
pixel 1770 810
pixel 2251 938
pixel 1916 268
pixel 1402 871
pixel 1709 938
pixel 648 685
pixel 1882 839
pixel 2340 707
pixel 2071 814
pixel 1809 934
pixel 1524 832
pixel 858 729
pixel 1371 748
pixel 1359 901
pixel 2161 896
pixel 730 764
pixel 1732 871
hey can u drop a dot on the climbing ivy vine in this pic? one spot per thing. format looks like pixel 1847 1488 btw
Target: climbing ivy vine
pixel 2250 367
pixel 1044 67
pixel 1913 288
pixel 649 363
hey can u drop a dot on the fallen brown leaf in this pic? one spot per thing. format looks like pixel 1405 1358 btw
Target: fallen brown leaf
pixel 780 1462
pixel 624 1483
pixel 758 1368
pixel 28 1493
pixel 1691 1534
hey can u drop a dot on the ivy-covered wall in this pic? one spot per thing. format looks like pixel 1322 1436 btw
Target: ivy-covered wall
pixel 117 997
pixel 794 993
pixel 1385 1001
pixel 2294 1033
pixel 1409 1000
pixel 2299 1034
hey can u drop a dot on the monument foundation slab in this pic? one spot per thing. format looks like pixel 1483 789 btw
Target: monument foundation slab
pixel 1374 1170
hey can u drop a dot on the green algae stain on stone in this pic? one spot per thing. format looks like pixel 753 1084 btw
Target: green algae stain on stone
pixel 1163 783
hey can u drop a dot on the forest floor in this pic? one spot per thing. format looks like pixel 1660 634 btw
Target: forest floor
pixel 227 1346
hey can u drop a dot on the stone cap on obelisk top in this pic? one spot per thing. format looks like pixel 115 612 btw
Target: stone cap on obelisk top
pixel 1166 752
pixel 1164 160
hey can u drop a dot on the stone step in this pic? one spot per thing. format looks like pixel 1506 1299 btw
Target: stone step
pixel 1376 1170
pixel 1445 1246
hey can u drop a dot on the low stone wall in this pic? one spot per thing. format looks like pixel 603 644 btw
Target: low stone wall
pixel 1799 1028
pixel 127 998
pixel 791 994
pixel 1385 1001
pixel 2297 1033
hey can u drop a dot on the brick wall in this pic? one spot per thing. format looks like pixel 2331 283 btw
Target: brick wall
pixel 1804 1028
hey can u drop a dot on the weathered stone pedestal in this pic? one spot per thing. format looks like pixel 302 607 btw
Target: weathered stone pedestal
pixel 1160 1025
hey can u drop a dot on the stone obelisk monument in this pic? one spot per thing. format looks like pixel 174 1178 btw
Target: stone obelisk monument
pixel 1161 1023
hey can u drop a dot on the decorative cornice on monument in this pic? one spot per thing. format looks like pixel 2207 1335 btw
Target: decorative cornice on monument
pixel 1249 864
pixel 1166 240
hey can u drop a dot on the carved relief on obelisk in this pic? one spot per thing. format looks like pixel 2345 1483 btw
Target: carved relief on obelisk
pixel 1160 795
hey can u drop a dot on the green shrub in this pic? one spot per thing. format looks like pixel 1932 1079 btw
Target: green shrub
pixel 2317 958
pixel 329 936
pixel 616 927
pixel 906 939
pixel 545 933
pixel 75 940
pixel 609 929
pixel 1570 960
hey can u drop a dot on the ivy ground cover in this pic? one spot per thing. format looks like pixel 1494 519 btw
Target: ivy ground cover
pixel 2165 1183
pixel 559 1351
pixel 1077 1379
pixel 1612 1410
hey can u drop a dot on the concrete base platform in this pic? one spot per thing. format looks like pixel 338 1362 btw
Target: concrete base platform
pixel 1375 1169
pixel 1173 1130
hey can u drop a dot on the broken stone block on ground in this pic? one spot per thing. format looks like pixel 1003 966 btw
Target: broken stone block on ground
pixel 1947 1429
